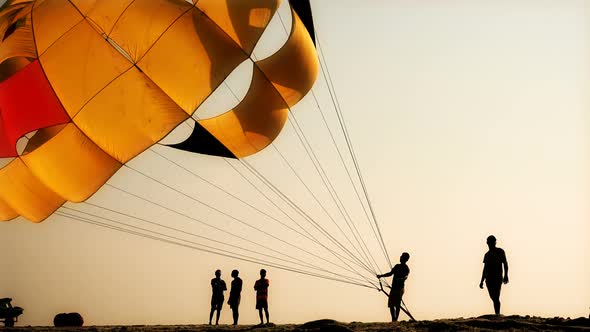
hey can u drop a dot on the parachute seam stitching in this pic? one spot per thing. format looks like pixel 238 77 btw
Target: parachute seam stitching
pixel 118 18
pixel 164 32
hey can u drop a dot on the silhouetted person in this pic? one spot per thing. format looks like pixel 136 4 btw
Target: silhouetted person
pixel 261 287
pixel 400 273
pixel 235 295
pixel 218 287
pixel 492 271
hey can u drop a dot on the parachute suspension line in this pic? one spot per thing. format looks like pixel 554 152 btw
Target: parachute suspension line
pixel 382 243
pixel 230 90
pixel 367 262
pixel 334 98
pixel 285 198
pixel 308 218
pixel 354 186
pixel 330 187
pixel 229 255
pixel 194 235
pixel 283 23
pixel 311 237
pixel 173 237
pixel 217 210
pixel 228 193
pixel 338 109
pixel 200 221
pixel 297 210
pixel 251 206
pixel 225 214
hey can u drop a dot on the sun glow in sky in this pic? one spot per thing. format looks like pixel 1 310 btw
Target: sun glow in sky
pixel 468 118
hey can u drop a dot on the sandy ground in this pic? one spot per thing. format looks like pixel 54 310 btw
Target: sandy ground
pixel 483 323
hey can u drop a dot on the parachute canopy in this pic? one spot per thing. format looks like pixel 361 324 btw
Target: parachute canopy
pixel 93 83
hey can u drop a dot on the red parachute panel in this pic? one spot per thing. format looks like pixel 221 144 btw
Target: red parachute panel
pixel 27 103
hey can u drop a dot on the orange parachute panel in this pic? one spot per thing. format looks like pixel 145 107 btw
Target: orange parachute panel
pixel 143 22
pixel 191 59
pixel 71 165
pixel 243 21
pixel 6 212
pixel 244 133
pixel 80 64
pixel 129 116
pixel 295 80
pixel 25 194
pixel 46 27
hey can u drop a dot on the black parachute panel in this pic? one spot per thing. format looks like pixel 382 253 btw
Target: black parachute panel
pixel 201 141
pixel 303 9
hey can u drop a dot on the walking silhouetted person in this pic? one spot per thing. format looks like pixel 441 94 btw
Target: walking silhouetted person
pixel 261 287
pixel 235 295
pixel 400 273
pixel 218 287
pixel 492 271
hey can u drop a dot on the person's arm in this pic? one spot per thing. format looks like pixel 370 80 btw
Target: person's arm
pixel 483 277
pixel 239 287
pixel 483 273
pixel 224 286
pixel 388 274
pixel 505 263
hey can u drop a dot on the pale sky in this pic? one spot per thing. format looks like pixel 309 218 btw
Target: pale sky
pixel 468 118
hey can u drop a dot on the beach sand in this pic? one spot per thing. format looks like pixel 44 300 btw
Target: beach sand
pixel 483 323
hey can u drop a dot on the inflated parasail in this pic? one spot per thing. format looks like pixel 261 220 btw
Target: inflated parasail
pixel 100 81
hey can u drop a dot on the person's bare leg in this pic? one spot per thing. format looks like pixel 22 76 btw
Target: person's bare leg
pixel 392 311
pixel 211 315
pixel 497 306
pixel 217 318
pixel 266 312
pixel 236 315
pixel 495 296
pixel 260 315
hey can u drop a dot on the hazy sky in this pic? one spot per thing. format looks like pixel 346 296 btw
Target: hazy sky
pixel 468 118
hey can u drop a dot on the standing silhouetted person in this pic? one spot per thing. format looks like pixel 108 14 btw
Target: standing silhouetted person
pixel 492 271
pixel 218 287
pixel 400 273
pixel 235 295
pixel 261 287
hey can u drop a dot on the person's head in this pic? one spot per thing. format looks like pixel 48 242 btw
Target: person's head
pixel 404 257
pixel 218 273
pixel 235 273
pixel 262 273
pixel 491 241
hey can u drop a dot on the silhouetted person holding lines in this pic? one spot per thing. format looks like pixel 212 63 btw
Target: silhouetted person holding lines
pixel 218 287
pixel 400 273
pixel 261 288
pixel 492 271
pixel 235 295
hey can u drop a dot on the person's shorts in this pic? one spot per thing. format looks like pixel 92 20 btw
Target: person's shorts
pixel 494 287
pixel 234 302
pixel 217 303
pixel 260 304
pixel 395 297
